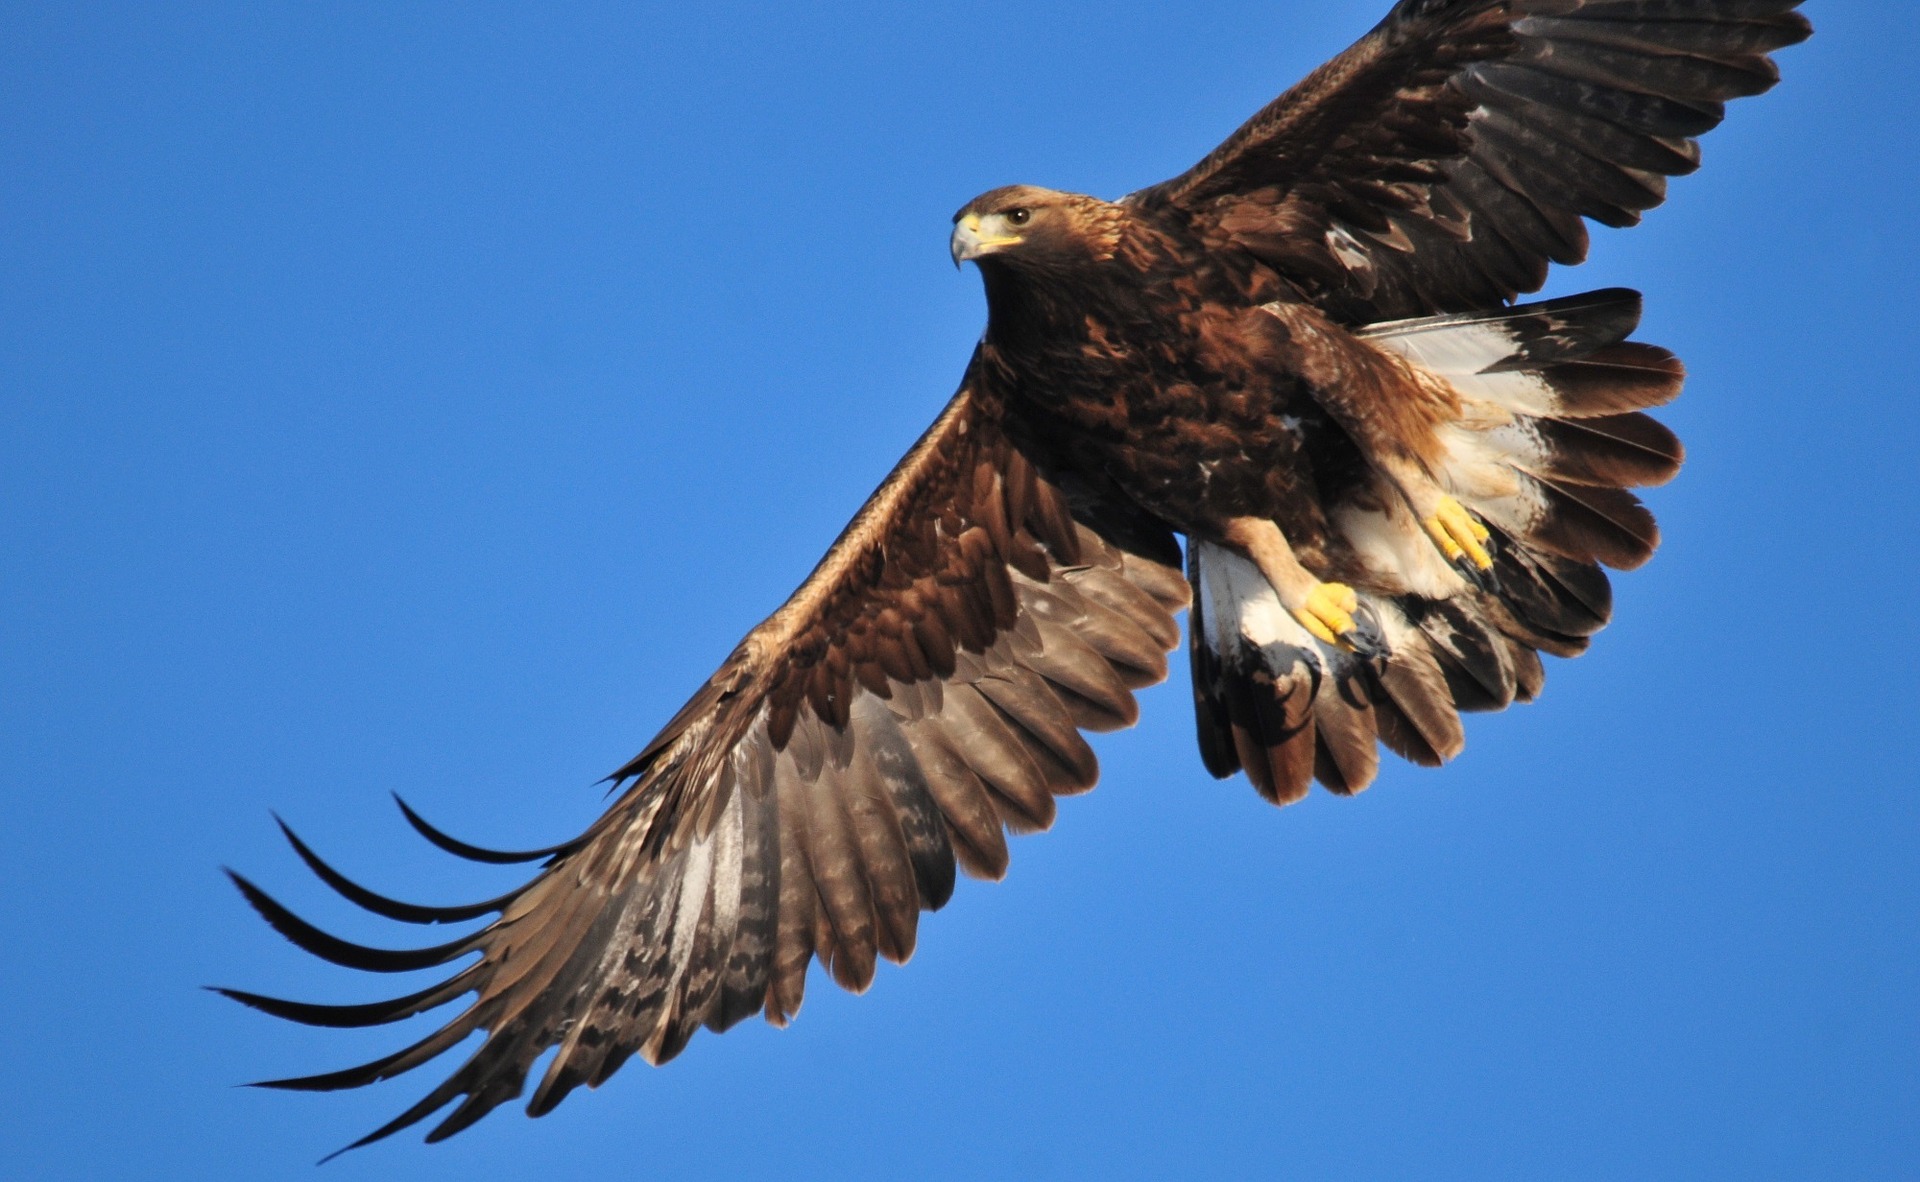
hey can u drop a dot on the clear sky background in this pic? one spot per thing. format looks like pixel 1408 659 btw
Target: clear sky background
pixel 426 397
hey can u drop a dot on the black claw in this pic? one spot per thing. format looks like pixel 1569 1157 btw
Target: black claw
pixel 1366 637
pixel 1487 580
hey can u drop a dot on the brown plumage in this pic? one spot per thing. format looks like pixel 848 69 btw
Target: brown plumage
pixel 1397 490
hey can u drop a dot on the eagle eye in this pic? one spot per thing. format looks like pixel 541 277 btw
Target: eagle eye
pixel 1019 217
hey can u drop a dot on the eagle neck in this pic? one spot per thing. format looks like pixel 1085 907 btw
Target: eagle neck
pixel 1034 312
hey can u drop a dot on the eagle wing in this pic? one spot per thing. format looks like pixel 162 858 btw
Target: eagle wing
pixel 1441 163
pixel 925 687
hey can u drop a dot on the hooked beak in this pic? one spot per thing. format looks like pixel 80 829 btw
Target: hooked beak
pixel 970 239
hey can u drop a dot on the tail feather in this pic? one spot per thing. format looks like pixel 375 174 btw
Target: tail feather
pixel 1476 661
pixel 1288 708
pixel 1549 441
pixel 1529 673
pixel 1611 451
pixel 1212 724
pixel 1400 735
pixel 1587 524
pixel 1346 755
pixel 1418 692
pixel 1553 594
pixel 1274 735
pixel 1519 338
pixel 1613 380
pixel 1260 671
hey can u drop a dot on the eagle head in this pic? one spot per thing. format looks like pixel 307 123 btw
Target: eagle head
pixel 1025 224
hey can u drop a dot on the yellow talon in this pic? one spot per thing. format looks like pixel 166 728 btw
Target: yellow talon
pixel 1328 612
pixel 1458 535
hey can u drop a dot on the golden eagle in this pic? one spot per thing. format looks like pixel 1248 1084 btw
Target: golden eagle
pixel 1397 489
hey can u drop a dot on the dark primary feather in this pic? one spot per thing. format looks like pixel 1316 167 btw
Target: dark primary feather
pixel 474 853
pixel 344 952
pixel 923 689
pixel 379 904
pixel 1448 157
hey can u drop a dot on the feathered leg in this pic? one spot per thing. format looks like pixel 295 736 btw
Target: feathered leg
pixel 1332 612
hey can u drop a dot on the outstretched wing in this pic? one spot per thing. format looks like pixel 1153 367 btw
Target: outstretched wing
pixel 1443 161
pixel 925 687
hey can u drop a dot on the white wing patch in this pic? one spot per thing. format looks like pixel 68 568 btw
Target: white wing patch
pixel 1462 351
pixel 1491 451
pixel 1446 347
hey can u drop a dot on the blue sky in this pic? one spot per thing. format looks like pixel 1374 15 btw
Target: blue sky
pixel 426 397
